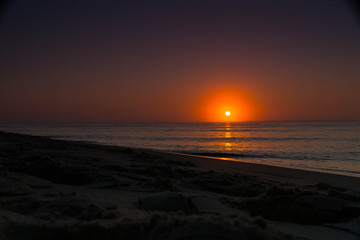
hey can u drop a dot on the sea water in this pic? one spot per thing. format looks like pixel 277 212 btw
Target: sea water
pixel 319 146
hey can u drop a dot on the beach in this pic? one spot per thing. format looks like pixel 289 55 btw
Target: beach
pixel 57 189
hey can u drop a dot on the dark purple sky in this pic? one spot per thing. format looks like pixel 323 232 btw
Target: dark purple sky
pixel 158 60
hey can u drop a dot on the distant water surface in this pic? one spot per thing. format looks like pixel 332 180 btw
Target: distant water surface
pixel 319 146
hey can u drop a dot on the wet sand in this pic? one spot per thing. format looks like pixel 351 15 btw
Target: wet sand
pixel 51 189
pixel 298 176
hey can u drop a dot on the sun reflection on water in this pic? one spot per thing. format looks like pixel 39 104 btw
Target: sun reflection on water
pixel 228 144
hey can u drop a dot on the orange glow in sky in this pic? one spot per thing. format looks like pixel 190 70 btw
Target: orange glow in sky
pixel 237 105
pixel 179 61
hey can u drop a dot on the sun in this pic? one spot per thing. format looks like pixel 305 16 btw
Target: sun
pixel 226 105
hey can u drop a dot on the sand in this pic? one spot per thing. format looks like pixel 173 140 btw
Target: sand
pixel 51 189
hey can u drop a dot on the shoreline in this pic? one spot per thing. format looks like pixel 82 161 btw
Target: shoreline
pixel 199 155
pixel 267 172
pixel 328 171
pixel 62 189
pixel 270 146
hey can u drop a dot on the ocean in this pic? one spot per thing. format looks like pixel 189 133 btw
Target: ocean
pixel 332 147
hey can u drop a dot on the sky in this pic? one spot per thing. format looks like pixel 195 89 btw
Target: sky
pixel 179 60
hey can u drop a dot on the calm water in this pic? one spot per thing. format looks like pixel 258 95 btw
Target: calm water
pixel 320 146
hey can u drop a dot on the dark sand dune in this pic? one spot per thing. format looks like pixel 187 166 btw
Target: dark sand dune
pixel 53 189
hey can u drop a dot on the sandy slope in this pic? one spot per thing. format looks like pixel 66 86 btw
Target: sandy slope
pixel 70 190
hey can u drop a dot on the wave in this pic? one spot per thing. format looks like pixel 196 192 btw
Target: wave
pixel 286 156
pixel 191 138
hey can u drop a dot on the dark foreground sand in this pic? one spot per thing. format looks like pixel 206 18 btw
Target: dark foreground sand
pixel 71 190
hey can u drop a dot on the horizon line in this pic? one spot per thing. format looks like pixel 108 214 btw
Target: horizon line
pixel 164 122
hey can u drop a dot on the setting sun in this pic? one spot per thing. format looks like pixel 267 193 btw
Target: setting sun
pixel 227 105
